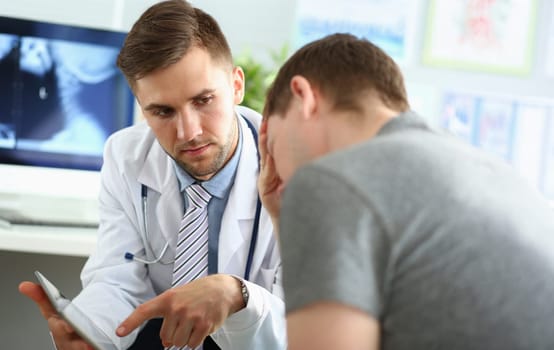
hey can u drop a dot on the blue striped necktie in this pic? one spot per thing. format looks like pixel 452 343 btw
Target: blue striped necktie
pixel 191 254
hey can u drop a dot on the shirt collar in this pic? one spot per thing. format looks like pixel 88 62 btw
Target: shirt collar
pixel 219 184
pixel 408 119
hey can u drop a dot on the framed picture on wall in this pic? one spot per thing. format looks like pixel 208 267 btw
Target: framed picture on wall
pixel 458 115
pixel 390 24
pixel 496 126
pixel 495 36
pixel 484 121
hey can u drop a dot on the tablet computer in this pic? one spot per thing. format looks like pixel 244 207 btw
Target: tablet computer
pixel 80 322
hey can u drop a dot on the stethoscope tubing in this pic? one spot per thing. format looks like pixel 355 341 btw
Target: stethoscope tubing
pixel 158 259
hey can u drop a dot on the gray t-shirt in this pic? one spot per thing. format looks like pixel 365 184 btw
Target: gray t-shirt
pixel 445 246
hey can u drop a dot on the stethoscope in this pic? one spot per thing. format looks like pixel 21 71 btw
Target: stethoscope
pixel 158 259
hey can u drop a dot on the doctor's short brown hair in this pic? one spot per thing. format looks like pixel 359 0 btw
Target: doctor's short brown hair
pixel 343 68
pixel 164 33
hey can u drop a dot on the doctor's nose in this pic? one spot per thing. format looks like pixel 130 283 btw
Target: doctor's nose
pixel 188 126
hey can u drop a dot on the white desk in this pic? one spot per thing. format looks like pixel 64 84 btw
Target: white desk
pixel 70 241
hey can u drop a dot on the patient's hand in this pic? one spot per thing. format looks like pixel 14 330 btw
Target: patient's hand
pixel 269 182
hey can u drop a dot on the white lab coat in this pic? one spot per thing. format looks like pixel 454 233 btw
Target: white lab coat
pixel 113 286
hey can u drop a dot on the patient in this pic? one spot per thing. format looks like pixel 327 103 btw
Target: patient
pixel 393 235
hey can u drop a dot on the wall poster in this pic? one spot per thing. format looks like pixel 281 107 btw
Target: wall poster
pixel 388 24
pixel 494 36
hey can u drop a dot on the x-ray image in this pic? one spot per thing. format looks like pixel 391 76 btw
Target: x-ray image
pixel 50 78
pixel 8 62
pixel 60 90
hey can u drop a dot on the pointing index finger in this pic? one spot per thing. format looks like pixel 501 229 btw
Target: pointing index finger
pixel 144 312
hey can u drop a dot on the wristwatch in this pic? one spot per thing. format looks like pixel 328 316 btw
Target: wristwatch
pixel 244 291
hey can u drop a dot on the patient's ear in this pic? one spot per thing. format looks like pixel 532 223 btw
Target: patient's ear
pixel 306 96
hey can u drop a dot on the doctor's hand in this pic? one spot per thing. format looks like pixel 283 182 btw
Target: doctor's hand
pixel 190 312
pixel 269 182
pixel 63 335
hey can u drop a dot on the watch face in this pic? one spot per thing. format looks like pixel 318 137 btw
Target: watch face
pixel 244 291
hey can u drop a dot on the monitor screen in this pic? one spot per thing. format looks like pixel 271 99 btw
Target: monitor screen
pixel 61 94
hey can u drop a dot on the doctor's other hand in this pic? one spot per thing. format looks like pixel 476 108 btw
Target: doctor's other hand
pixel 190 312
pixel 269 183
pixel 63 335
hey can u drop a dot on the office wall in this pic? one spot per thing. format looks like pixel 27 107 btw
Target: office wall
pixel 508 114
pixel 251 24
pixel 536 84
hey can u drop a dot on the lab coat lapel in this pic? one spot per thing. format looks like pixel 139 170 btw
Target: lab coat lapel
pixel 238 217
pixel 158 174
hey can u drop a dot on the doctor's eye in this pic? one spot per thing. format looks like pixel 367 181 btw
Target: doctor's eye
pixel 203 100
pixel 162 112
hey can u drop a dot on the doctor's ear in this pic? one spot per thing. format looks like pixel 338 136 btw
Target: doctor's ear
pixel 305 94
pixel 238 84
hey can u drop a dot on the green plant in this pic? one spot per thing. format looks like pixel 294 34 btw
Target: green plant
pixel 258 77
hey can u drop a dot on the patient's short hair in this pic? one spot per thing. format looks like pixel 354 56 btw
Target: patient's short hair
pixel 343 68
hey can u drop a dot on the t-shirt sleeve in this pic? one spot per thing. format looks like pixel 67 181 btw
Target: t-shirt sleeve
pixel 332 243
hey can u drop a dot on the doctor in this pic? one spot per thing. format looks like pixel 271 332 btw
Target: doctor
pixel 180 69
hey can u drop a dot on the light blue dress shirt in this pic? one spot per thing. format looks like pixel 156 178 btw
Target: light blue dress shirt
pixel 219 187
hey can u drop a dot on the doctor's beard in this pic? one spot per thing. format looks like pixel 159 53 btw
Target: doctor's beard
pixel 224 152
